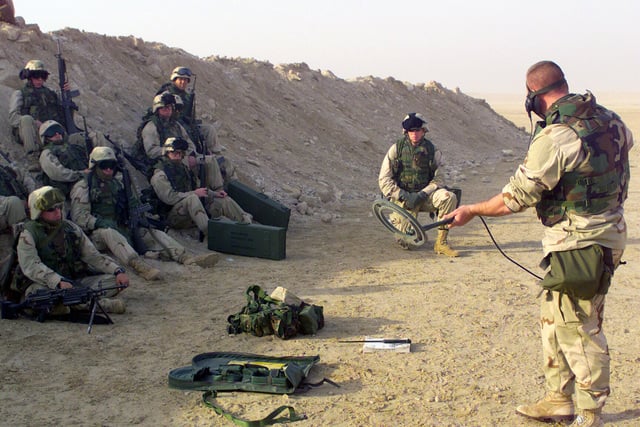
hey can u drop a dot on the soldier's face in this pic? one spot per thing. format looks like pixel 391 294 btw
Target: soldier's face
pixel 415 135
pixel 165 112
pixel 181 83
pixel 37 82
pixel 52 215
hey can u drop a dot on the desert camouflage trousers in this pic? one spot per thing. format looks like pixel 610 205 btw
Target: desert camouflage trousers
pixel 574 347
pixel 441 201
pixel 190 210
pixel 12 211
pixel 154 240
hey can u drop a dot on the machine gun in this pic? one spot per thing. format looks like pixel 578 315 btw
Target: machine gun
pixel 136 215
pixel 68 106
pixel 42 301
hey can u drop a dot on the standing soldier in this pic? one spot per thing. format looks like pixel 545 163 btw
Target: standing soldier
pixel 576 175
pixel 99 205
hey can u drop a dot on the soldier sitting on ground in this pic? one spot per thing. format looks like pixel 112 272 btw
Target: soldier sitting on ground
pixel 188 199
pixel 54 253
pixel 63 163
pixel 15 186
pixel 99 205
pixel 203 135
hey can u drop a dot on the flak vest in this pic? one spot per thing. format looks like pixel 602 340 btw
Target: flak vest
pixel 10 186
pixel 414 166
pixel 180 177
pixel 41 103
pixel 58 247
pixel 108 200
pixel 603 185
pixel 71 156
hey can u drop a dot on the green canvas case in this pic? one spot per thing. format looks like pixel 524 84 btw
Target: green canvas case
pixel 264 210
pixel 254 240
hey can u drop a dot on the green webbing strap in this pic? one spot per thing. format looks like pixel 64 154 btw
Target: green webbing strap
pixel 266 421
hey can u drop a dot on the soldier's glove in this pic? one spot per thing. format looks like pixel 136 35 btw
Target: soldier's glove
pixel 105 223
pixel 413 199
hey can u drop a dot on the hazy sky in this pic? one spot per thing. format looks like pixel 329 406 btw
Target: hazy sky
pixel 478 46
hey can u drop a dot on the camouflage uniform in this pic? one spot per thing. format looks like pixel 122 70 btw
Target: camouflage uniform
pixel 15 186
pixel 63 164
pixel 49 253
pixel 417 168
pixel 99 216
pixel 28 105
pixel 580 201
pixel 174 184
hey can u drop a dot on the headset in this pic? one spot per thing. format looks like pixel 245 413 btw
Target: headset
pixel 532 103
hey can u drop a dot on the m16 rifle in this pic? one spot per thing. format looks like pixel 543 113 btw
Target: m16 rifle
pixel 136 213
pixel 42 301
pixel 68 106
pixel 202 169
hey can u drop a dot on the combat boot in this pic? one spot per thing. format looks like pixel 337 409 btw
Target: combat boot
pixel 588 418
pixel 113 305
pixel 144 270
pixel 441 246
pixel 202 260
pixel 552 407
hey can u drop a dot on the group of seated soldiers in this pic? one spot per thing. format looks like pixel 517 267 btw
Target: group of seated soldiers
pixel 81 203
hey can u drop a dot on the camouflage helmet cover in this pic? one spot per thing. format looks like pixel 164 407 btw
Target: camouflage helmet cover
pixel 183 72
pixel 164 99
pixel 414 121
pixel 42 199
pixel 48 128
pixel 174 144
pixel 33 68
pixel 101 153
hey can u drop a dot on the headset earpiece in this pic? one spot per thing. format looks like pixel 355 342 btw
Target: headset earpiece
pixel 532 102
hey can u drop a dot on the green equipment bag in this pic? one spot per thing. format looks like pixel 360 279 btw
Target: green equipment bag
pixel 264 315
pixel 228 371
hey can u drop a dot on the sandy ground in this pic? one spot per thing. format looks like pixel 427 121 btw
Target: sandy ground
pixel 473 322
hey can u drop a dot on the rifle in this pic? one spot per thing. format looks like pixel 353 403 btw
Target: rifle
pixel 66 95
pixel 87 141
pixel 42 301
pixel 381 340
pixel 136 217
pixel 202 171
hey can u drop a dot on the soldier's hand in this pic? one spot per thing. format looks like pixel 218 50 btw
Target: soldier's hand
pixel 201 192
pixel 64 285
pixel 122 279
pixel 411 200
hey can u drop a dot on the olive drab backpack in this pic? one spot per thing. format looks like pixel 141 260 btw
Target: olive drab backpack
pixel 265 315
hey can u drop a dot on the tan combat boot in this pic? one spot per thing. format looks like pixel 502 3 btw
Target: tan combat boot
pixel 441 245
pixel 143 269
pixel 202 260
pixel 113 305
pixel 553 407
pixel 588 418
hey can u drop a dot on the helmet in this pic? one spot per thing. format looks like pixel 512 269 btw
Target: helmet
pixel 99 154
pixel 50 128
pixel 414 121
pixel 183 72
pixel 174 144
pixel 42 199
pixel 164 99
pixel 34 68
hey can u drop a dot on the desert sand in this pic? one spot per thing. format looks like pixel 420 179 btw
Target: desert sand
pixel 473 320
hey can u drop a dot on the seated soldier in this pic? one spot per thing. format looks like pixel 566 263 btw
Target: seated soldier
pixel 54 253
pixel 189 200
pixel 15 186
pixel 63 163
pixel 204 135
pixel 99 205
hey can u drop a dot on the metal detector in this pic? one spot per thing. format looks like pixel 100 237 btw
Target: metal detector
pixel 415 232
